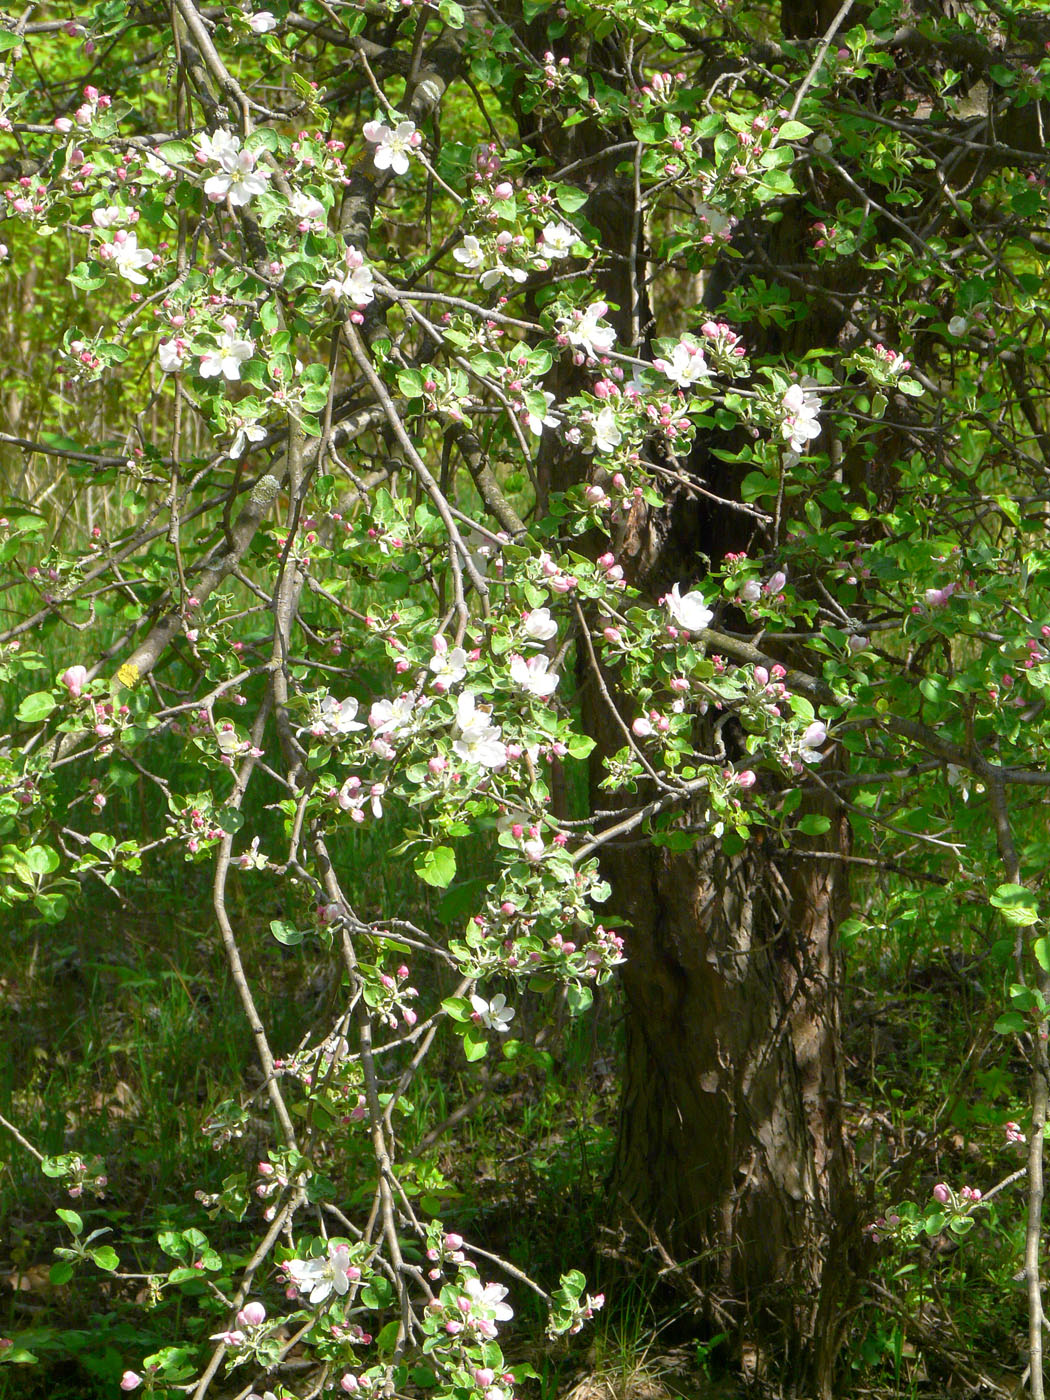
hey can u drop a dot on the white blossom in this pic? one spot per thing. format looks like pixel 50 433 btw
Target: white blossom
pixel 540 626
pixel 590 337
pixel 690 612
pixel 494 1015
pixel 498 271
pixel 217 145
pixel 815 735
pixel 490 1295
pixel 236 180
pixel 356 284
pixel 716 221
pixel 801 412
pixel 533 676
pixel 393 716
pixel 262 22
pixel 108 215
pixel 171 355
pixel 470 253
pixel 319 1277
pixel 306 208
pixel 607 434
pixel 127 257
pixel 246 433
pixel 228 356
pixel 449 667
pixel 339 717
pixel 392 146
pixel 686 366
pixel 479 741
pixel 558 239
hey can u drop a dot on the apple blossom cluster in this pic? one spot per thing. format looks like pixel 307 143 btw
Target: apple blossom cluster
pixel 952 1209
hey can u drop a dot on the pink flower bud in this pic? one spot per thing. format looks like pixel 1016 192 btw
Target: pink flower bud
pixel 942 1193
pixel 130 1381
pixel 251 1315
pixel 75 679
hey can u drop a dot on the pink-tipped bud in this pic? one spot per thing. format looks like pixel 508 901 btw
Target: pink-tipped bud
pixel 75 679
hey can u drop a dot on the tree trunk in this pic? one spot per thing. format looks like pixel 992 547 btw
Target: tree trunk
pixel 731 1149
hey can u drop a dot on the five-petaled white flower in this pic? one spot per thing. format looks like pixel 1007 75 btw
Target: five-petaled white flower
pixel 470 253
pixel 801 412
pixel 449 667
pixel 338 717
pixel 228 356
pixel 236 179
pixel 532 675
pixel 607 434
pixel 262 22
pixel 494 1015
pixel 686 366
pixel 392 716
pixel 392 146
pixel 540 626
pixel 246 433
pixel 356 284
pixel 127 257
pixel 587 335
pixel 479 741
pixel 690 611
pixel 319 1277
pixel 558 239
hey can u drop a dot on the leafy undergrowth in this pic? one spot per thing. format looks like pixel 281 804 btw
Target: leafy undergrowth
pixel 124 1032
pixel 931 1087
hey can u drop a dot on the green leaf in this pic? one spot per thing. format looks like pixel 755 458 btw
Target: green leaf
pixel 570 198
pixel 10 41
pixel 475 1046
pixel 106 1258
pixel 1016 904
pixel 580 746
pixel 436 866
pixel 1010 1023
pixel 286 933
pixel 176 152
pixel 794 131
pixel 458 1008
pixel 42 860
pixel 386 1340
pixel 814 825
pixel 60 1273
pixel 578 999
pixel 72 1219
pixel 36 707
pixel 410 382
pixel 1041 949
